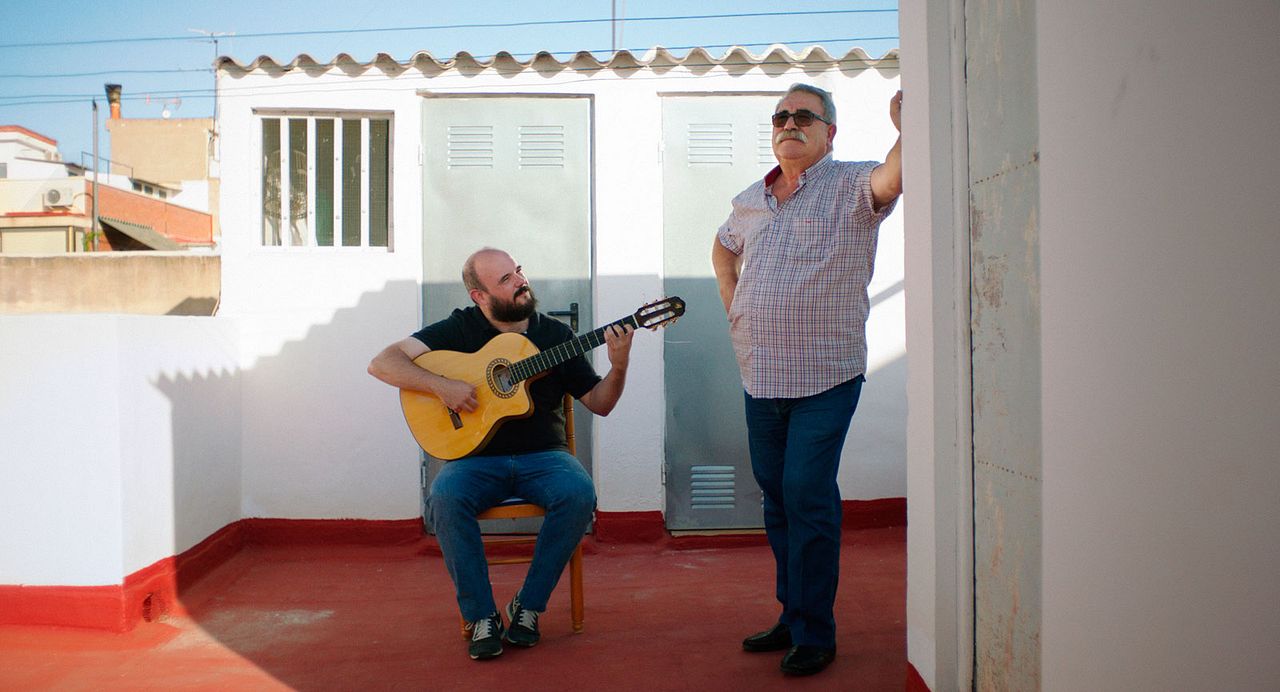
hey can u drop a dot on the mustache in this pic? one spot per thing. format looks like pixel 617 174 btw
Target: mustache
pixel 521 291
pixel 790 134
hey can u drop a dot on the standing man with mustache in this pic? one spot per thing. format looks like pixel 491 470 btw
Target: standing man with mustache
pixel 793 262
pixel 526 457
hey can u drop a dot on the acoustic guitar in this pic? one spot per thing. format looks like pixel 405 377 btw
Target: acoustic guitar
pixel 501 372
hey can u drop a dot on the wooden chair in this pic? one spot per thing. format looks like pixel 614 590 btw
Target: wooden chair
pixel 516 508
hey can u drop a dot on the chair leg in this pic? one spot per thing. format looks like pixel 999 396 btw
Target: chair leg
pixel 575 588
pixel 465 633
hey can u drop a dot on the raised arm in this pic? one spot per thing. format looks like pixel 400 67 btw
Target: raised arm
pixel 604 396
pixel 886 179
pixel 394 365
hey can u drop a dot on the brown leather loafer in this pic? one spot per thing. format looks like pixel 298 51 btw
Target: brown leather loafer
pixel 776 638
pixel 807 660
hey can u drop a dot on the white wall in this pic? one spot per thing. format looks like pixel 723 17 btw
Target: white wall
pixel 1159 244
pixel 939 513
pixel 1159 251
pixel 117 437
pixel 628 251
pixel 313 318
pixel 30 158
pixel 60 485
pixel 179 384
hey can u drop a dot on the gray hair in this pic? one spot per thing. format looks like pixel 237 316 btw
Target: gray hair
pixel 828 105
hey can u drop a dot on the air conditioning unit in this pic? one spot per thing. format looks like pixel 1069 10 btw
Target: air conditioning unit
pixel 59 196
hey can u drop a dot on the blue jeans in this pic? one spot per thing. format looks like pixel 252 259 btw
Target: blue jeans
pixel 795 452
pixel 553 480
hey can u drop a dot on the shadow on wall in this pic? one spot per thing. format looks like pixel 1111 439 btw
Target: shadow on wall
pixel 194 307
pixel 305 433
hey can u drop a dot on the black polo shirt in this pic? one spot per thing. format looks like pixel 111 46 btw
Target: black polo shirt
pixel 467 331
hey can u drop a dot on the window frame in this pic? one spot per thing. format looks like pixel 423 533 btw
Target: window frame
pixel 309 235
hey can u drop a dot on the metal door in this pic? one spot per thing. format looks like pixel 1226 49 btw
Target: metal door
pixel 512 172
pixel 713 147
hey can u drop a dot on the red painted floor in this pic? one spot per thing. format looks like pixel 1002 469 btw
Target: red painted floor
pixel 658 617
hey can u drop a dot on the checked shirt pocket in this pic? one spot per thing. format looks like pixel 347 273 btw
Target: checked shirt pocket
pixel 811 240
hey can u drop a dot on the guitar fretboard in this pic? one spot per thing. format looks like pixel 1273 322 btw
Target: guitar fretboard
pixel 522 370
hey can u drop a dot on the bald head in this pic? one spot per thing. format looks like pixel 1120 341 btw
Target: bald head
pixel 470 275
pixel 498 287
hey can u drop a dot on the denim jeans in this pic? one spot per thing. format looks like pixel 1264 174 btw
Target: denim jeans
pixel 795 449
pixel 554 480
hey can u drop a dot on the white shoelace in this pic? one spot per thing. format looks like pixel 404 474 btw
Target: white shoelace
pixel 482 629
pixel 527 618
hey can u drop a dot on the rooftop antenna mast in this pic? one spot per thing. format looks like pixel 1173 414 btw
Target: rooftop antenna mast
pixel 213 36
pixel 215 144
pixel 615 24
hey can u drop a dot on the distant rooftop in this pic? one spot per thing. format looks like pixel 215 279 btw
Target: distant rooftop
pixel 30 133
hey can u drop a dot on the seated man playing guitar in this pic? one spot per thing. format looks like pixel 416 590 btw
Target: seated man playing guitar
pixel 523 457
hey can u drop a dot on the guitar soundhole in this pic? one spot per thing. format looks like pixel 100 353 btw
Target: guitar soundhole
pixel 499 377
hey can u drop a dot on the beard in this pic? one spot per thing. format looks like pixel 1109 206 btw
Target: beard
pixel 512 310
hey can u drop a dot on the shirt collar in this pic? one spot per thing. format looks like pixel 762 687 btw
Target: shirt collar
pixel 772 175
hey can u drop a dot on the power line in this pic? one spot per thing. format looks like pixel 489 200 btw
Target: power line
pixel 437 27
pixel 59 75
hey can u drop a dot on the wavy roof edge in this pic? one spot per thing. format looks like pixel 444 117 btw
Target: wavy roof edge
pixel 654 57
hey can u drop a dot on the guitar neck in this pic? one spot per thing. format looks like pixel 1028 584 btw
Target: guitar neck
pixel 534 365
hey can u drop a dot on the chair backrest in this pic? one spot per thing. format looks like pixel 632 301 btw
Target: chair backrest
pixel 569 434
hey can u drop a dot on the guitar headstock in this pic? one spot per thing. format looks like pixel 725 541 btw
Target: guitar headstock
pixel 660 313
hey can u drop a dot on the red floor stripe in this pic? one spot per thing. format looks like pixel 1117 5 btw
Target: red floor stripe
pixel 874 514
pixel 154 590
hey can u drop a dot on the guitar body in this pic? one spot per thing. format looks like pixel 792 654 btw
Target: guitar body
pixel 500 372
pixel 446 434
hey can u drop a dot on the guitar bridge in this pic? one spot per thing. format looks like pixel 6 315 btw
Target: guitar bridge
pixel 457 420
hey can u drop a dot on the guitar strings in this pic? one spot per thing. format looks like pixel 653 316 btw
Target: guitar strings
pixel 525 368
pixel 544 360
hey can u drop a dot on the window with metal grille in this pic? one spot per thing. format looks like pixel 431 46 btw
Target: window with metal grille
pixel 326 179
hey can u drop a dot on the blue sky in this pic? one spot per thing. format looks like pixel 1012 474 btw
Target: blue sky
pixel 55 57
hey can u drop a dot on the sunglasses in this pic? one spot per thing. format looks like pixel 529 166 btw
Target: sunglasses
pixel 804 118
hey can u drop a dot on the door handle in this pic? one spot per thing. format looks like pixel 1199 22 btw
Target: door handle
pixel 571 313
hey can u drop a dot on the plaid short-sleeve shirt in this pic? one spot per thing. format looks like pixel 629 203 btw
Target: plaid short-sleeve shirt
pixel 799 313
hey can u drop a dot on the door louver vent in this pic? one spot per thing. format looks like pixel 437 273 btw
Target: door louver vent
pixel 470 146
pixel 542 146
pixel 712 487
pixel 710 144
pixel 764 144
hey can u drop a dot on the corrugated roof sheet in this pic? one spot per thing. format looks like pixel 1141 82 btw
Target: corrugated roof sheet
pixel 141 233
pixel 657 59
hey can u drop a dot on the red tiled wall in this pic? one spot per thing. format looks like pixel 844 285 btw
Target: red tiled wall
pixel 183 225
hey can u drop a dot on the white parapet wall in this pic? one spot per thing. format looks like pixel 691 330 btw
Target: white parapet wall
pixel 119 443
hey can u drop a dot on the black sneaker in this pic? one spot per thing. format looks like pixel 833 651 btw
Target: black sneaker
pixel 486 637
pixel 524 624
